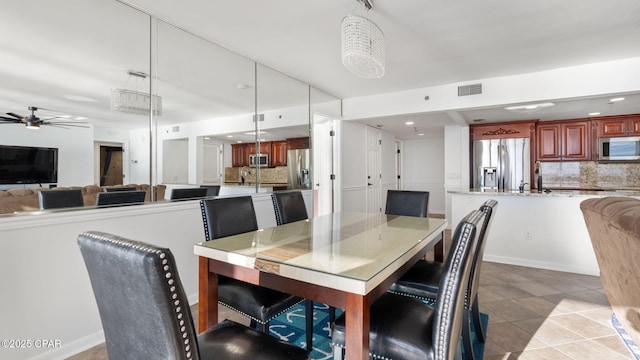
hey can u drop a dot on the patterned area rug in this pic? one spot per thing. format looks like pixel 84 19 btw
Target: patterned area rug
pixel 633 348
pixel 290 327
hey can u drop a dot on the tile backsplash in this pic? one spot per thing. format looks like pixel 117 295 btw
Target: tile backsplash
pixel 590 174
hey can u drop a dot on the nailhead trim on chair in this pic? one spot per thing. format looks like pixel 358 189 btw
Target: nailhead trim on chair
pixel 449 289
pixel 258 320
pixel 207 236
pixel 275 207
pixel 168 275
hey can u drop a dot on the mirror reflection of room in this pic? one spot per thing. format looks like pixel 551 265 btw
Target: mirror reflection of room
pixel 150 117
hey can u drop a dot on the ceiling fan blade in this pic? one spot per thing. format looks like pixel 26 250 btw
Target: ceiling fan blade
pixel 61 124
pixel 15 115
pixel 58 126
pixel 4 118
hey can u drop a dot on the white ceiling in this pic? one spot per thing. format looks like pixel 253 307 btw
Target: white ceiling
pixel 428 43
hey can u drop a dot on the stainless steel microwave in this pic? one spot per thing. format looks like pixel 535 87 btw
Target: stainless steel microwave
pixel 259 160
pixel 626 148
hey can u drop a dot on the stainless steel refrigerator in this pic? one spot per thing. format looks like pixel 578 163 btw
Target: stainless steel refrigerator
pixel 298 163
pixel 501 164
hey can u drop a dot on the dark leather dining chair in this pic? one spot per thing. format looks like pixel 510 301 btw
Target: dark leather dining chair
pixel 212 190
pixel 188 193
pixel 407 203
pixel 235 215
pixel 289 206
pixel 56 199
pixel 145 313
pixel 119 198
pixel 422 281
pixel 401 327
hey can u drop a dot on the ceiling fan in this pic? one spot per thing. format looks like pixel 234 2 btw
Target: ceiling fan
pixel 34 122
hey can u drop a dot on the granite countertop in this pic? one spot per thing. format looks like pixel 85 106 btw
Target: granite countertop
pixel 555 192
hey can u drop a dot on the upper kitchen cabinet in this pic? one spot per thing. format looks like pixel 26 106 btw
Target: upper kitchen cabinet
pixel 278 153
pixel 239 155
pixel 621 125
pixel 298 143
pixel 564 140
pixel 504 130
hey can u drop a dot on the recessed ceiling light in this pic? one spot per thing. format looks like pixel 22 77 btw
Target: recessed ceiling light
pixel 594 114
pixel 409 123
pixel 421 134
pixel 207 138
pixel 253 132
pixel 529 107
pixel 617 99
pixel 229 136
pixel 243 86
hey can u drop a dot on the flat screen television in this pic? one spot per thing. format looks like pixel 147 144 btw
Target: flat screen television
pixel 28 165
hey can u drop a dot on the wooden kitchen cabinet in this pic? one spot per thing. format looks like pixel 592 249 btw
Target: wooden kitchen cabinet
pixel 278 153
pixel 298 143
pixel 239 155
pixel 624 125
pixel 564 140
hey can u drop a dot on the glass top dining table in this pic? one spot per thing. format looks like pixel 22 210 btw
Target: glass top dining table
pixel 344 259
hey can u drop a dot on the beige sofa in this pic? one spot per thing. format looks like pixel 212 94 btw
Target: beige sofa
pixel 27 199
pixel 614 228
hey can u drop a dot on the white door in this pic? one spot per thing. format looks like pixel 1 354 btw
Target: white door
pixel 374 173
pixel 211 163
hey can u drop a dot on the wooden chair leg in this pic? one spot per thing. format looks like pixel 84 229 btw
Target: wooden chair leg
pixel 309 323
pixel 475 317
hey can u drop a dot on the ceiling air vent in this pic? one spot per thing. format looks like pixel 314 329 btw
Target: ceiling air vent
pixel 473 89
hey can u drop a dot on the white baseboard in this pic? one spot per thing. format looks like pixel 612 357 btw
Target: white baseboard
pixel 85 343
pixel 585 270
pixel 75 347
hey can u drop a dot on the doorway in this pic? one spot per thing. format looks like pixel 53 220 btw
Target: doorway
pixel 111 172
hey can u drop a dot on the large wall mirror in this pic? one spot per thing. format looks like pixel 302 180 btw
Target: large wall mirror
pixel 217 118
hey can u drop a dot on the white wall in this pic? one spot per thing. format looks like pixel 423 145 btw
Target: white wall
pixel 75 149
pixel 175 168
pixel 354 166
pixel 424 170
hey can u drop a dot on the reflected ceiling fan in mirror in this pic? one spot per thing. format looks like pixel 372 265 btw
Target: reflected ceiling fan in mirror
pixel 34 122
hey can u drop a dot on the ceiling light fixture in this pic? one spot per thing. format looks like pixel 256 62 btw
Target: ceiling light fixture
pixel 529 107
pixel 33 125
pixel 409 123
pixel 363 45
pixel 617 99
pixel 135 102
pixel 594 114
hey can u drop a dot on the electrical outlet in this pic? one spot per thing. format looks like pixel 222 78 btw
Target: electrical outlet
pixel 528 235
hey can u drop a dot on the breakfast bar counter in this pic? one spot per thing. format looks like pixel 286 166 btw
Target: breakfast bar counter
pixel 540 230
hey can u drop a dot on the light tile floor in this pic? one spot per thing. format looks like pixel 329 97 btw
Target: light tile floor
pixel 543 314
pixel 534 314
